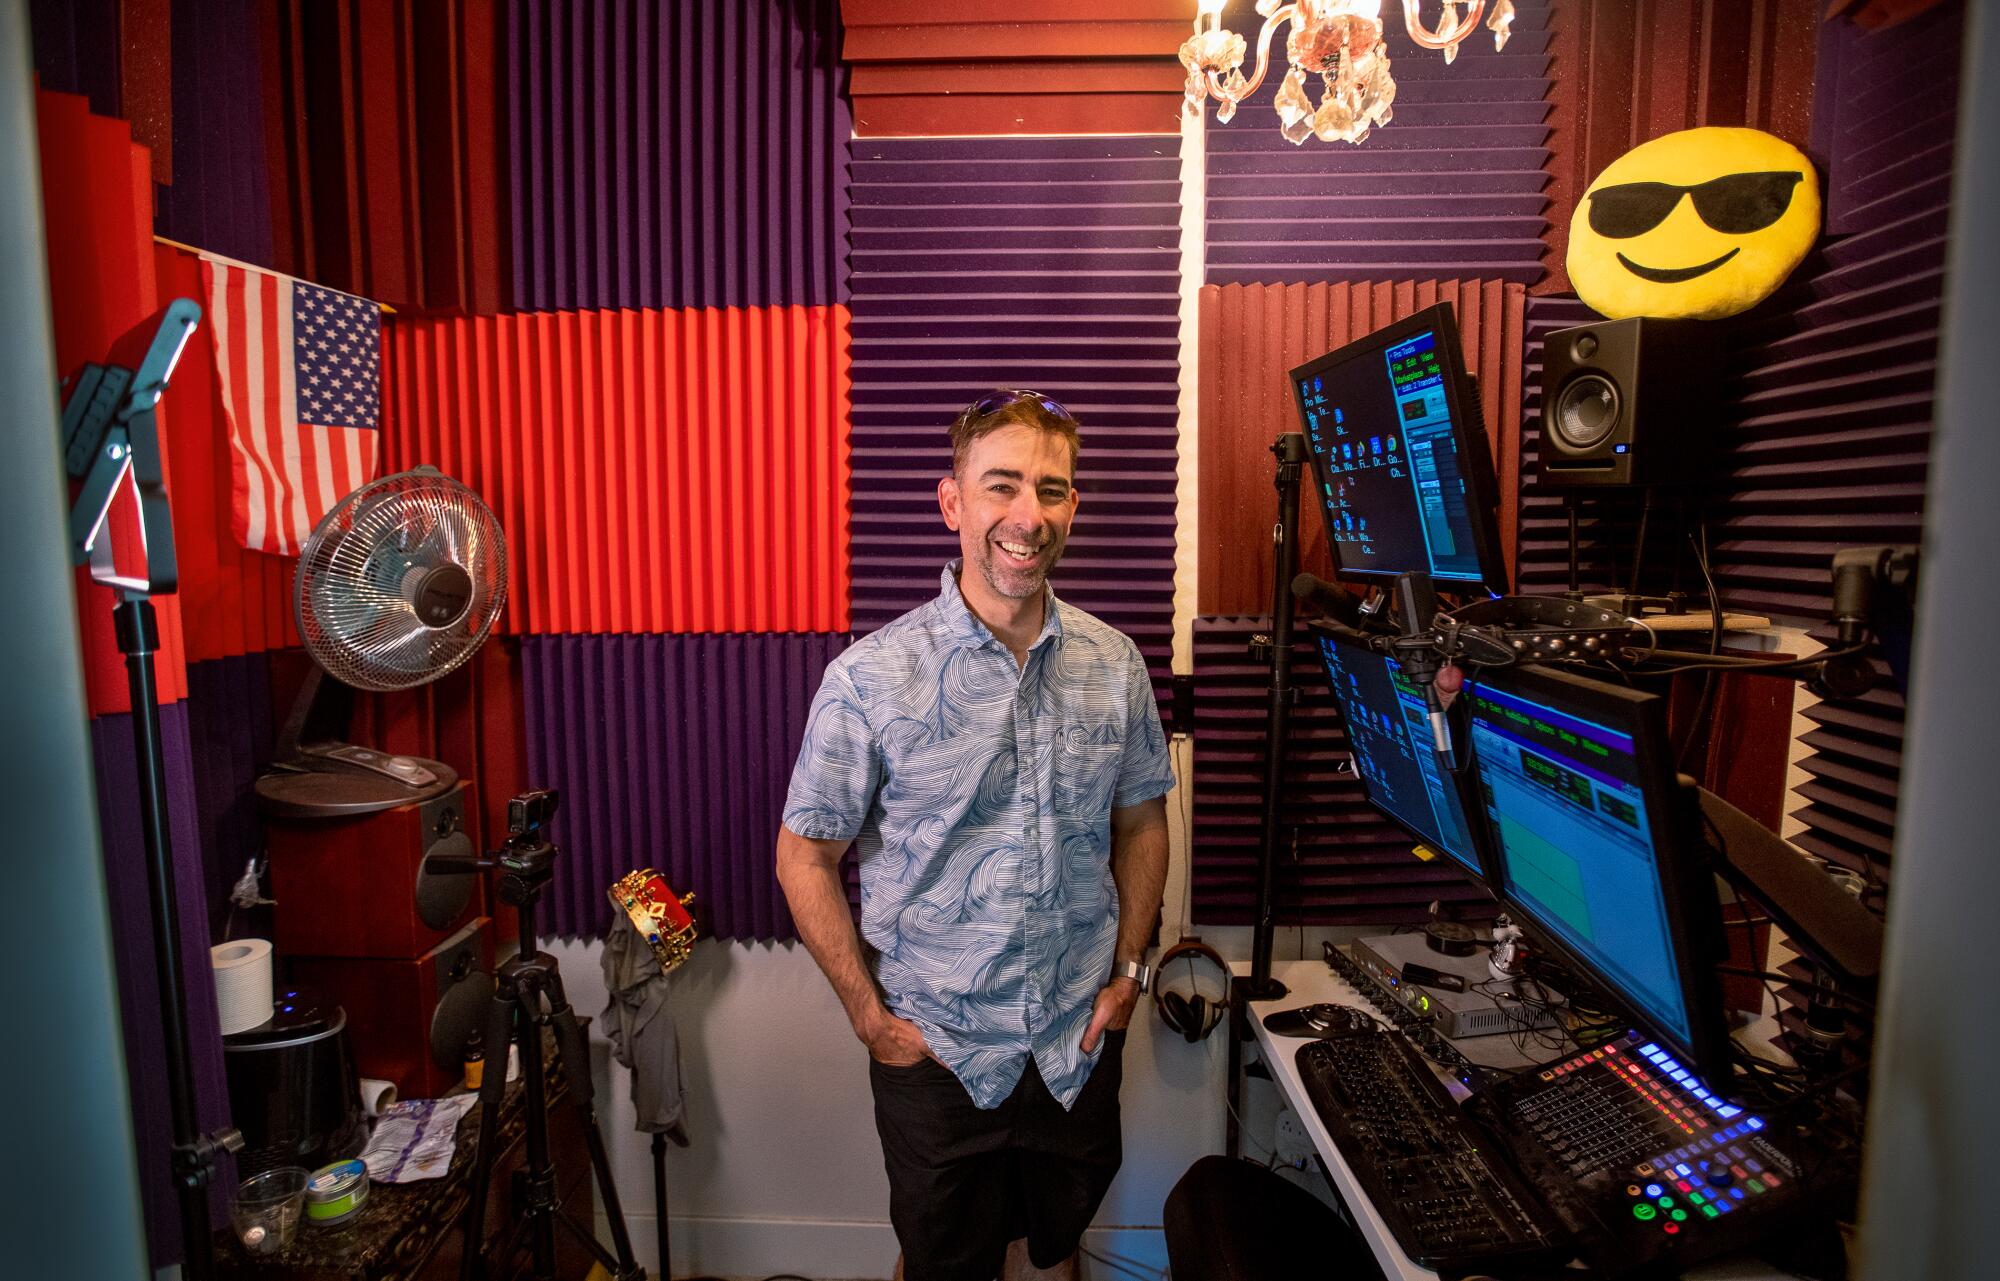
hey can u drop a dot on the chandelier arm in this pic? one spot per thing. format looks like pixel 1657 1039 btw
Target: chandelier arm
pixel 1413 21
pixel 1289 13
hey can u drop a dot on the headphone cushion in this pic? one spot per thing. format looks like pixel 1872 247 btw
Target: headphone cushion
pixel 1174 1008
pixel 1199 1012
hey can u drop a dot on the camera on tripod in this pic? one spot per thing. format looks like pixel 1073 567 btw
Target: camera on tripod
pixel 528 812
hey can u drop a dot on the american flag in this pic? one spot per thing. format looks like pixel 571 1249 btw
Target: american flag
pixel 300 368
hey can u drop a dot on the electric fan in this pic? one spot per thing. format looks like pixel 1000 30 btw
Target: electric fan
pixel 399 584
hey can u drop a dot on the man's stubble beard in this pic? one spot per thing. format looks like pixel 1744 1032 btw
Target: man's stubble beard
pixel 995 571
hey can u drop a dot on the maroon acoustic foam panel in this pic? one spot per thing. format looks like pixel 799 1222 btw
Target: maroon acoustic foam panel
pixel 1251 337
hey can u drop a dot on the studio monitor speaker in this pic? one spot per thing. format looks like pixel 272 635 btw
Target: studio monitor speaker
pixel 1626 403
pixel 361 886
pixel 410 1019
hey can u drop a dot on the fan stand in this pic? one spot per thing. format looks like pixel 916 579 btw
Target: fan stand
pixel 316 773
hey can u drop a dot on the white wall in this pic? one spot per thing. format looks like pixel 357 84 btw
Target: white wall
pixel 785 1171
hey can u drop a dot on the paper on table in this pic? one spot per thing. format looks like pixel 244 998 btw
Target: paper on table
pixel 414 1140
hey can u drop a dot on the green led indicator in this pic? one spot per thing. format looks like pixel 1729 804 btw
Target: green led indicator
pixel 1680 1216
pixel 1643 1212
pixel 1666 1203
pixel 1709 1210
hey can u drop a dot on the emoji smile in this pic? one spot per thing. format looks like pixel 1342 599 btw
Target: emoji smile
pixel 1674 275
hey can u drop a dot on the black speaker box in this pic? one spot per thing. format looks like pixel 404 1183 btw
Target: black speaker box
pixel 1627 403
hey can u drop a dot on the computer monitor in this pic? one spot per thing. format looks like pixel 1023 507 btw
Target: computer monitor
pixel 1594 844
pixel 1389 735
pixel 1401 463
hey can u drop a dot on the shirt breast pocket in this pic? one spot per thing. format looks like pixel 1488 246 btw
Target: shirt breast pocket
pixel 1084 765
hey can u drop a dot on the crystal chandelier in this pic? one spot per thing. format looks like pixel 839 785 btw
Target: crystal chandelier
pixel 1340 41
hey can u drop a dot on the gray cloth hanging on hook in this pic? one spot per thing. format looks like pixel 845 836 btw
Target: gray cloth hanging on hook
pixel 642 1033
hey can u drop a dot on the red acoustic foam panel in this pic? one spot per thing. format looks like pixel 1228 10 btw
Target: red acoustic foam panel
pixel 97 207
pixel 654 470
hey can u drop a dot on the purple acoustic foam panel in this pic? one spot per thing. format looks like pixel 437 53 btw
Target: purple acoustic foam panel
pixel 1353 865
pixel 672 752
pixel 133 954
pixel 219 199
pixel 677 155
pixel 1454 187
pixel 1044 263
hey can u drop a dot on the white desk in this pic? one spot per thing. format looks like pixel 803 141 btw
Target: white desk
pixel 1311 982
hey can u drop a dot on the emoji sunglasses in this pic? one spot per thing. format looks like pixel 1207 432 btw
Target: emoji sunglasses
pixel 1735 204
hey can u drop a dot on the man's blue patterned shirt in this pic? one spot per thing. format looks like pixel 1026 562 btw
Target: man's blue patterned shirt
pixel 981 792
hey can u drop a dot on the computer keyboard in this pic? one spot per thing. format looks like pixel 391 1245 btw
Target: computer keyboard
pixel 1447 1199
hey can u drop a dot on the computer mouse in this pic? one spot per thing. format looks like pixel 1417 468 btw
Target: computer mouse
pixel 1318 1020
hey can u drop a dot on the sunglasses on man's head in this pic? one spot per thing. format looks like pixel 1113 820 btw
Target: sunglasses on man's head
pixel 995 401
pixel 1735 204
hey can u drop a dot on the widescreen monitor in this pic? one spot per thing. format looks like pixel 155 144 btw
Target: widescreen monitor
pixel 1389 735
pixel 1401 465
pixel 1594 841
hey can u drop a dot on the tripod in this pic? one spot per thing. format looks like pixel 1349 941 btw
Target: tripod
pixel 529 996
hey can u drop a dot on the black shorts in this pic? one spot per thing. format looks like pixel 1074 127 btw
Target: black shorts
pixel 964 1181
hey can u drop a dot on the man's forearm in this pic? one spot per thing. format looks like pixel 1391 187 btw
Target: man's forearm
pixel 818 901
pixel 1139 867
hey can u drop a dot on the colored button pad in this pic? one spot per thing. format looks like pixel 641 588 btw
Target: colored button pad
pixel 1712 1174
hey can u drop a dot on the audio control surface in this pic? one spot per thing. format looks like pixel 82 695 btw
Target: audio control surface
pixel 1646 1165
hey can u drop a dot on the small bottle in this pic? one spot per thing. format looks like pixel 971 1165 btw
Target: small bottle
pixel 475 1061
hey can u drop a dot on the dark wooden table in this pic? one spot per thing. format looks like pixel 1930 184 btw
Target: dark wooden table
pixel 413 1231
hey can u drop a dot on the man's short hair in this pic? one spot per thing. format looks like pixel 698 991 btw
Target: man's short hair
pixel 1002 408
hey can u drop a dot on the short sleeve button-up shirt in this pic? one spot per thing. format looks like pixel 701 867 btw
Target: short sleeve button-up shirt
pixel 980 792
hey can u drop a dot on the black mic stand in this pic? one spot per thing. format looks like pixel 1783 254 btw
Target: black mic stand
pixel 109 433
pixel 1290 449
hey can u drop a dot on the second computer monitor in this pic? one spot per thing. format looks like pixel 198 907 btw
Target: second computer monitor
pixel 1401 464
pixel 1389 735
pixel 1596 847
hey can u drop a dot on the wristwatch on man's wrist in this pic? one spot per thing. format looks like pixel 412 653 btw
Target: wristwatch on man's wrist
pixel 1138 971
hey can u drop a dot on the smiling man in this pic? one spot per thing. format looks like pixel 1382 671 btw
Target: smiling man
pixel 996 756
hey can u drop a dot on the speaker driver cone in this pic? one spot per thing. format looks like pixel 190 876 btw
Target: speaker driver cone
pixel 1587 410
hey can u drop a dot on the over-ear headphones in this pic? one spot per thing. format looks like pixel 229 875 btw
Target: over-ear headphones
pixel 1192 1014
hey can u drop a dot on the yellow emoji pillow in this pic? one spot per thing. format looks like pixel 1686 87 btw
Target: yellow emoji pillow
pixel 1700 224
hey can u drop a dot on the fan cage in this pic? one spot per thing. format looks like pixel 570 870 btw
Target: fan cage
pixel 354 596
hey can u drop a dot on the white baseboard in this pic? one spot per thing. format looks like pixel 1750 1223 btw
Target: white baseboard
pixel 835 1251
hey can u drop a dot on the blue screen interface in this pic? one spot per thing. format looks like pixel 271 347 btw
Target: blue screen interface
pixel 1389 733
pixel 1387 463
pixel 1563 800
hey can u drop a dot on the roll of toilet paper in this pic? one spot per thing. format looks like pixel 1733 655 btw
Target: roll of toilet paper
pixel 242 983
pixel 376 1095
